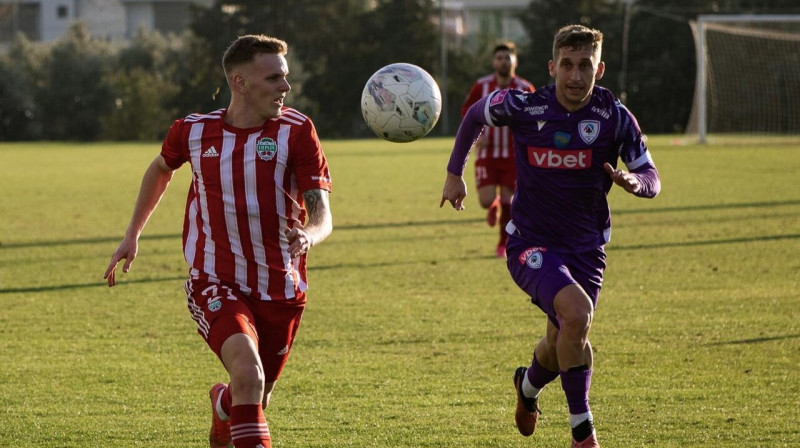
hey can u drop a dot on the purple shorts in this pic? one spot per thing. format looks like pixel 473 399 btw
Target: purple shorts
pixel 542 272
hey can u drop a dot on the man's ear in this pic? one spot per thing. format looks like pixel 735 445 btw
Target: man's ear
pixel 601 68
pixel 551 66
pixel 239 82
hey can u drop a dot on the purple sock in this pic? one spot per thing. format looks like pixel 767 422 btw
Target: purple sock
pixel 538 376
pixel 576 386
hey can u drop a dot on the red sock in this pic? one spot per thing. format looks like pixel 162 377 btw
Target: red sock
pixel 249 427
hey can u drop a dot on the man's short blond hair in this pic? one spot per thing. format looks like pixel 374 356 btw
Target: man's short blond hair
pixel 246 47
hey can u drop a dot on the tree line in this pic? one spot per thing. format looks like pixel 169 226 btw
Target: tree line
pixel 87 89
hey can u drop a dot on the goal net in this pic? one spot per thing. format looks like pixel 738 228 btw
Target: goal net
pixel 748 77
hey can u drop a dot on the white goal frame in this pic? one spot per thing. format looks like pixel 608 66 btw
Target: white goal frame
pixel 701 55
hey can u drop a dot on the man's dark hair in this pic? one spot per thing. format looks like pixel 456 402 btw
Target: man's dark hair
pixel 577 36
pixel 505 46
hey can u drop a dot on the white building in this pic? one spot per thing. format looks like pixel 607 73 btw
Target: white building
pixel 46 20
pixel 469 20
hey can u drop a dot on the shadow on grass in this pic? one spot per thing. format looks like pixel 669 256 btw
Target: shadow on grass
pixel 692 208
pixel 384 264
pixel 791 236
pixel 167 236
pixel 85 285
pixel 757 340
pixel 357 265
pixel 363 265
pixel 438 222
pixel 76 241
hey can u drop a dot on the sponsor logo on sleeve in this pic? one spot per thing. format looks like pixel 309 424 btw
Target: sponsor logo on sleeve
pixel 498 97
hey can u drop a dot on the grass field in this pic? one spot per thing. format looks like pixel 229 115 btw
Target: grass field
pixel 413 328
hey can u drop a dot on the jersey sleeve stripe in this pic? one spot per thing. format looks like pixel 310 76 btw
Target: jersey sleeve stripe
pixel 192 118
pixel 293 116
pixel 640 161
pixel 291 121
pixel 487 108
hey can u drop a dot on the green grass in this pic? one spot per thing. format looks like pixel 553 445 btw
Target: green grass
pixel 413 328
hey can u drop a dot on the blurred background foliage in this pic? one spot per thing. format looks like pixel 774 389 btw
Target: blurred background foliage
pixel 85 89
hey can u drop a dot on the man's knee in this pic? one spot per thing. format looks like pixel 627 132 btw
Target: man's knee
pixel 240 357
pixel 487 195
pixel 249 375
pixel 574 310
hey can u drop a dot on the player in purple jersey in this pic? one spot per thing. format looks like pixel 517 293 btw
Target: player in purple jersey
pixel 568 138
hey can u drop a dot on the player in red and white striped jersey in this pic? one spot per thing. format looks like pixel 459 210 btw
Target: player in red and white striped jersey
pixel 258 201
pixel 495 170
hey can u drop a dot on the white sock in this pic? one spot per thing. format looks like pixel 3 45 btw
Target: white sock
pixel 577 419
pixel 220 413
pixel 527 388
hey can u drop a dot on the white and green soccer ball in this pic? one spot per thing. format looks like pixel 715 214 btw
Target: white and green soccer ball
pixel 401 103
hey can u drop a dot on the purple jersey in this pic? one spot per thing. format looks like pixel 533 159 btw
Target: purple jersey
pixel 561 196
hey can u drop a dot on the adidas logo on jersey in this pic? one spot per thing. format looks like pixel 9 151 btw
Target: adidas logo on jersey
pixel 211 152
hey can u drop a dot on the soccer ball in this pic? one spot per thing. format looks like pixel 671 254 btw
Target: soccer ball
pixel 401 103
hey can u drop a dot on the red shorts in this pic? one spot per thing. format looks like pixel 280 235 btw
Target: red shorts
pixel 222 311
pixel 495 172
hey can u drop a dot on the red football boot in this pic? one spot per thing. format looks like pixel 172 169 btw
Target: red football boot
pixel 220 435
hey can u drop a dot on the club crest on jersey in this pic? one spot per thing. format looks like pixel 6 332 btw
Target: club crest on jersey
pixel 214 305
pixel 533 257
pixel 589 130
pixel 266 149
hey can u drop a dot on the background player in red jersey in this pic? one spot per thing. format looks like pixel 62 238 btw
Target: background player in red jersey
pixel 495 171
pixel 257 203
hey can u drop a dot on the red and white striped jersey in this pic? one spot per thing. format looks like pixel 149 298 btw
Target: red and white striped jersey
pixel 500 142
pixel 246 189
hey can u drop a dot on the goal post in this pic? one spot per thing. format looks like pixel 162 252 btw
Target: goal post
pixel 747 75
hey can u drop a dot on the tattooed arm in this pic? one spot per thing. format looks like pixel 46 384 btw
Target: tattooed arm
pixel 318 226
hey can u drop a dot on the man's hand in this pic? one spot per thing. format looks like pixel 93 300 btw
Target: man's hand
pixel 127 250
pixel 623 178
pixel 455 190
pixel 299 240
